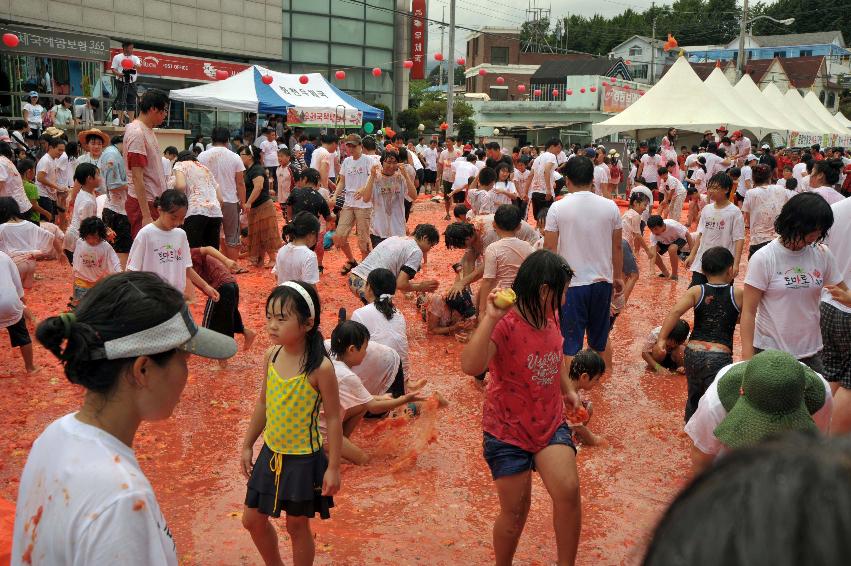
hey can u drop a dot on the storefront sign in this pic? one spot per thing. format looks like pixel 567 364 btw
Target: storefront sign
pixel 323 117
pixel 419 31
pixel 55 43
pixel 617 99
pixel 181 67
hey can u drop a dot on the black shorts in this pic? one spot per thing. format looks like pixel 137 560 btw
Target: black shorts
pixel 753 249
pixel 202 231
pixel 408 205
pixel 651 186
pixel 120 224
pixel 447 187
pixel 539 202
pixel 429 176
pixel 49 205
pixel 126 96
pixel 459 198
pixel 663 248
pixel 18 333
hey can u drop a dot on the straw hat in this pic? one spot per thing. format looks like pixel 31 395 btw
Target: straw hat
pixel 771 393
pixel 83 136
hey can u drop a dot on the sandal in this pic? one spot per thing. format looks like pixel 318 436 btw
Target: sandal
pixel 239 270
pixel 348 266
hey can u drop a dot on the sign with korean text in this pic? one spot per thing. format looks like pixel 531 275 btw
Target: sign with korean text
pixel 324 117
pixel 55 43
pixel 617 99
pixel 181 66
pixel 419 31
pixel 804 139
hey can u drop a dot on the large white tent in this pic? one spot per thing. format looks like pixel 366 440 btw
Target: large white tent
pixel 812 101
pixel 772 93
pixel 747 91
pixel 315 103
pixel 678 100
pixel 721 87
pixel 840 117
pixel 793 98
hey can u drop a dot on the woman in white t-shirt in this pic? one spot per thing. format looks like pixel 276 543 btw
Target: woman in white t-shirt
pixel 504 190
pixel 824 178
pixel 648 168
pixel 162 248
pixel 784 281
pixel 296 260
pixel 22 241
pixel 33 114
pixel 385 323
pixel 127 344
pixel 203 223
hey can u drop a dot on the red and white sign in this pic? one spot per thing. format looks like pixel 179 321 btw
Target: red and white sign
pixel 181 66
pixel 617 98
pixel 419 30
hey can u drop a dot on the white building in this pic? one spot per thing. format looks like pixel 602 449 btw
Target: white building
pixel 645 63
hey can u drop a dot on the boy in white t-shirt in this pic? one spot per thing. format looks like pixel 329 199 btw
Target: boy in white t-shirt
pixel 720 224
pixel 669 237
pixel 94 257
pixel 85 205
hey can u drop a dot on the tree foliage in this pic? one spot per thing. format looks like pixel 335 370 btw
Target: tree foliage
pixel 408 119
pixel 433 76
pixel 467 130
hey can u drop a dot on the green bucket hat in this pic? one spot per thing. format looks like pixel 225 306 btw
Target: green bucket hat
pixel 770 393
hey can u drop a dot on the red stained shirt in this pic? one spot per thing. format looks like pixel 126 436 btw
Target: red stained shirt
pixel 523 404
pixel 210 269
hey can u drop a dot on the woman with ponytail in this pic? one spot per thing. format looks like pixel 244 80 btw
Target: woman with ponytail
pixel 82 491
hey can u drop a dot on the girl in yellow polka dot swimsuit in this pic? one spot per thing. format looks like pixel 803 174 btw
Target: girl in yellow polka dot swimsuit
pixel 292 473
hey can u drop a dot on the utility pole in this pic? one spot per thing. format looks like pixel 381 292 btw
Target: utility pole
pixel 440 63
pixel 653 46
pixel 450 67
pixel 743 27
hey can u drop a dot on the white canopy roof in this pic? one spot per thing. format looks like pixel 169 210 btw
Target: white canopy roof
pixel 816 106
pixel 721 87
pixel 747 90
pixel 773 93
pixel 840 117
pixel 678 100
pixel 793 98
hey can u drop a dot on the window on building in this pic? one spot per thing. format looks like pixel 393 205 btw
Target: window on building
pixel 499 56
pixel 821 97
pixel 639 71
pixel 806 52
pixel 831 100
pixel 497 93
pixel 635 51
pixel 778 54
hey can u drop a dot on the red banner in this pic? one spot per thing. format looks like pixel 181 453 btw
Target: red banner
pixel 617 98
pixel 180 66
pixel 418 38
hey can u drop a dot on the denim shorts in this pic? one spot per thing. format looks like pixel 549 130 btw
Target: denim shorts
pixel 507 460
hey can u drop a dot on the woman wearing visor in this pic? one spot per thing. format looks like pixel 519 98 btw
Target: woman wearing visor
pixel 83 498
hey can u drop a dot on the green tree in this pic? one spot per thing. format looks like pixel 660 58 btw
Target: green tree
pixel 388 114
pixel 416 92
pixel 467 130
pixel 432 112
pixel 433 75
pixel 408 120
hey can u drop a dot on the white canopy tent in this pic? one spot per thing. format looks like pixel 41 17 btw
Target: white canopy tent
pixel 316 103
pixel 679 100
pixel 747 90
pixel 812 101
pixel 772 93
pixel 721 87
pixel 793 98
pixel 840 117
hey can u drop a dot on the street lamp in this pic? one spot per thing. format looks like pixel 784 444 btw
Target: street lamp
pixel 744 29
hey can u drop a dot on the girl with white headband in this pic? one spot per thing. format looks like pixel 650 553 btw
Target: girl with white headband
pixel 83 498
pixel 292 472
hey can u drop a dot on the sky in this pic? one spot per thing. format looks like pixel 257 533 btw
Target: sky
pixel 511 13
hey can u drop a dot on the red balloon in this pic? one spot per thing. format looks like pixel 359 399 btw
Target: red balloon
pixel 303 79
pixel 613 79
pixel 500 81
pixel 376 72
pixel 10 40
pixel 267 79
pixel 593 89
pixel 461 61
pixel 605 83
pixel 569 92
pixel 341 75
pixel 582 90
pixel 555 92
pixel 438 56
pixel 482 72
pixel 408 64
pixel 628 62
pixel 641 93
pixel 444 126
pixel 521 88
pixel 626 87
pixel 221 74
pixel 537 92
pixel 127 63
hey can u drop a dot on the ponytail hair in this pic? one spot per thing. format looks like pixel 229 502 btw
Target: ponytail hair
pixel 285 299
pixel 303 224
pixel 171 200
pixel 119 305
pixel 702 162
pixel 348 333
pixel 382 282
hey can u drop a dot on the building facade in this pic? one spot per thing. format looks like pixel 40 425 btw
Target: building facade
pixel 645 57
pixel 182 43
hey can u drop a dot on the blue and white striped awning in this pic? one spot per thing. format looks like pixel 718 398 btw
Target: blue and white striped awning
pixel 317 103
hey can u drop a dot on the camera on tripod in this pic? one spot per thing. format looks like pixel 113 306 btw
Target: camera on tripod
pixel 127 75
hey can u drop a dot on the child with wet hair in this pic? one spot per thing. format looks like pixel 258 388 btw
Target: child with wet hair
pixel 586 369
pixel 671 356
pixel 460 212
pixel 94 257
pixel 296 260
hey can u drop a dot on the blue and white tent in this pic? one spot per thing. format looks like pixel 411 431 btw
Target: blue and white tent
pixel 315 104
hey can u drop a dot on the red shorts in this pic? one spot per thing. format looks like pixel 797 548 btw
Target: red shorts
pixel 134 214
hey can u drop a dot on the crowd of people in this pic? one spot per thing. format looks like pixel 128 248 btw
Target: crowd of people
pixel 548 258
